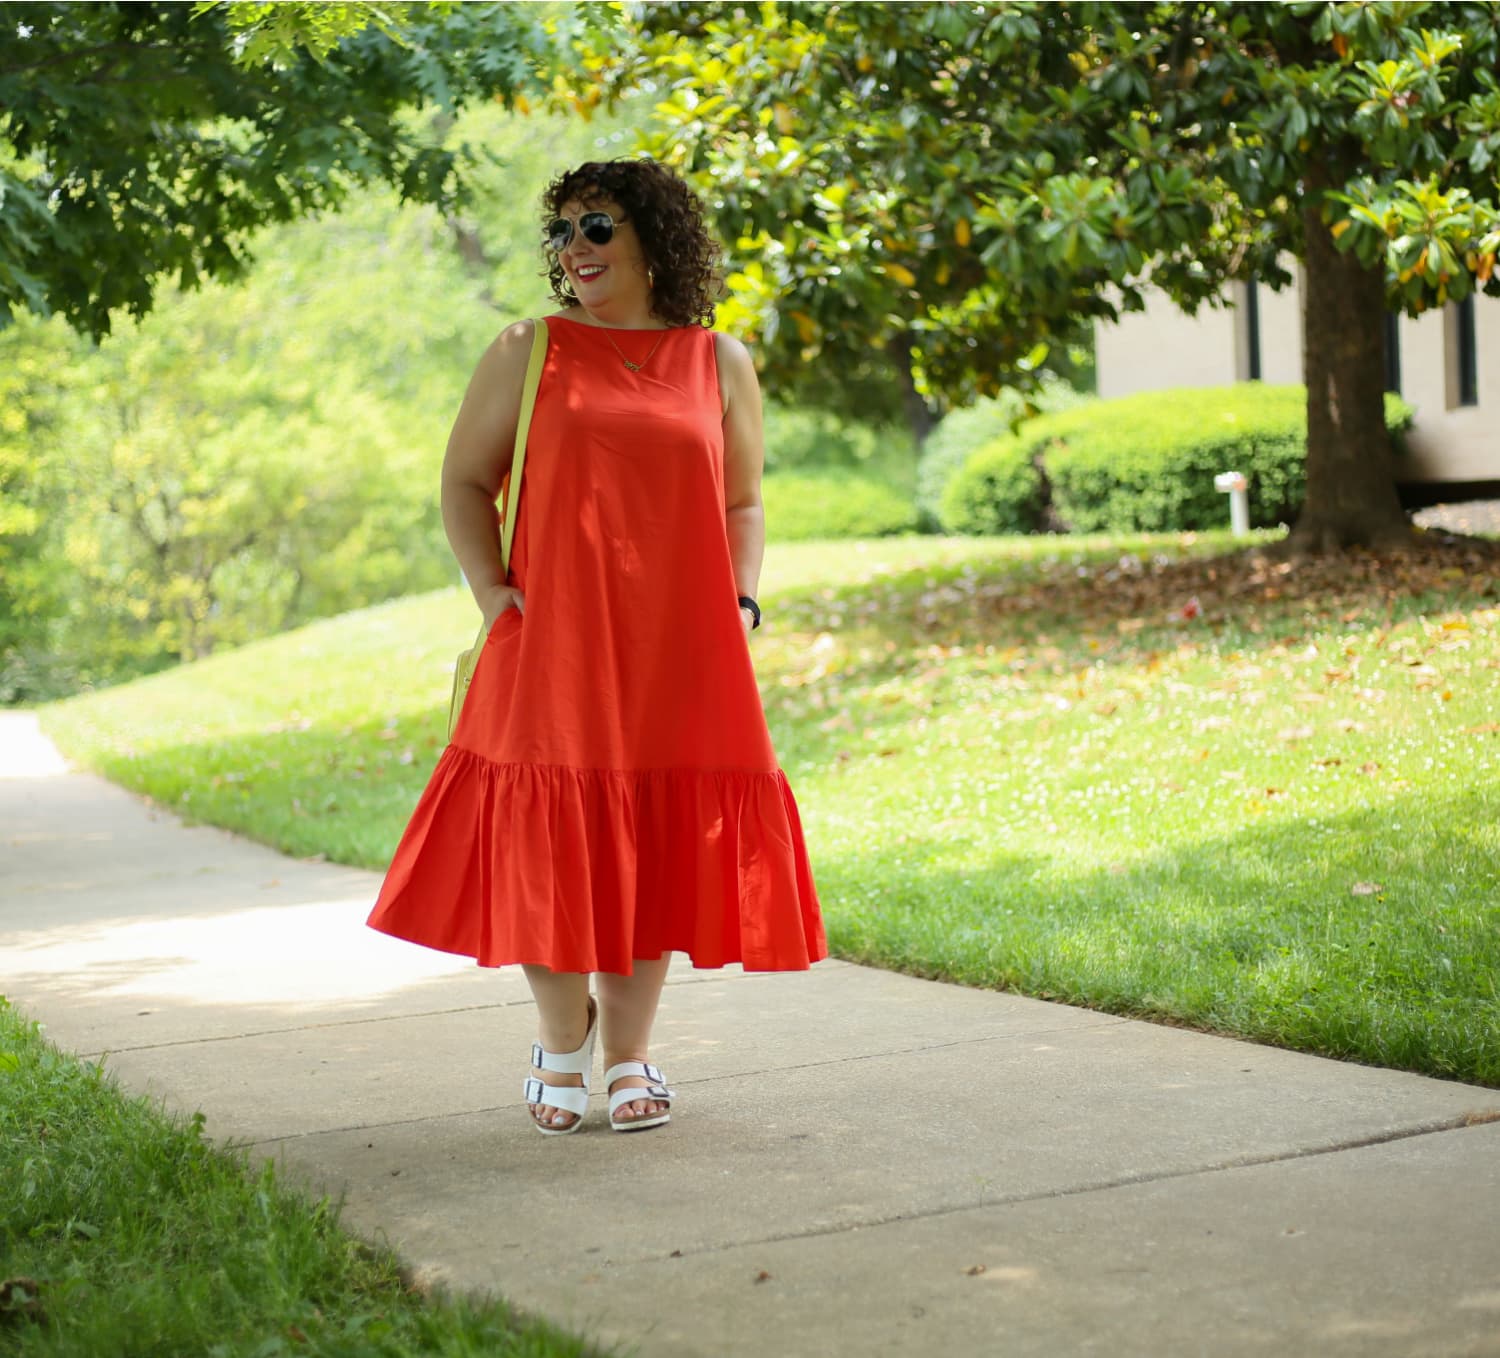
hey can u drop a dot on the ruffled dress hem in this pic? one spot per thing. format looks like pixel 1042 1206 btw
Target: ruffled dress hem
pixel 587 870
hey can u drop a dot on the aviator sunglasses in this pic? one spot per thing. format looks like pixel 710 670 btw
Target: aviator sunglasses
pixel 598 227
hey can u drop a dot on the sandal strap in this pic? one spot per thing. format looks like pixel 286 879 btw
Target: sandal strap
pixel 657 1093
pixel 642 1068
pixel 563 1063
pixel 569 1098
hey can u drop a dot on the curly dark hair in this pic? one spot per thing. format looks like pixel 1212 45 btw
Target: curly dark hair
pixel 668 218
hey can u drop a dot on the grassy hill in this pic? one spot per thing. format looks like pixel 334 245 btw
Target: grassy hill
pixel 1134 774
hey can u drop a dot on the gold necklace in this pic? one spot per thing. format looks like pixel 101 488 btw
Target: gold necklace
pixel 634 367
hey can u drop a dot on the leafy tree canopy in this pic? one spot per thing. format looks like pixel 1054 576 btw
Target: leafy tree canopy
pixel 142 140
pixel 943 172
pixel 957 185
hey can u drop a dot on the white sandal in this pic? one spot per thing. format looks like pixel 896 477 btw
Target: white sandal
pixel 569 1098
pixel 658 1092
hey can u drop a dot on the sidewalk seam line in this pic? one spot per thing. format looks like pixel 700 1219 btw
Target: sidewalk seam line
pixel 1458 1122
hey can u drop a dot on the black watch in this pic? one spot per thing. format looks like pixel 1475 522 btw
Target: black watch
pixel 747 602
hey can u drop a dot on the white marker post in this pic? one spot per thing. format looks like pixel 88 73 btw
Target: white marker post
pixel 1234 485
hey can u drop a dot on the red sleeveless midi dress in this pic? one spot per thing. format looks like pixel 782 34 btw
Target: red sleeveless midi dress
pixel 611 792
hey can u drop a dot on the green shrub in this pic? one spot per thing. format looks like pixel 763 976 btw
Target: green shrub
pixel 833 504
pixel 962 433
pixel 1000 491
pixel 1146 463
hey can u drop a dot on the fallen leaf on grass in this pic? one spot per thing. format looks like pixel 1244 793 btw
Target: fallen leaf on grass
pixel 1296 733
pixel 1370 769
pixel 1327 763
pixel 1366 889
pixel 1487 728
pixel 21 1299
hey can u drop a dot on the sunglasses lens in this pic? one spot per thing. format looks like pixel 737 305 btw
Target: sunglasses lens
pixel 598 227
pixel 559 233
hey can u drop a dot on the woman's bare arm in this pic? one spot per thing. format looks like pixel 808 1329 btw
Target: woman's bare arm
pixel 479 454
pixel 744 462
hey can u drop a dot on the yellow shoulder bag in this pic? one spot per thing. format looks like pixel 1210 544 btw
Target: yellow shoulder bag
pixel 463 671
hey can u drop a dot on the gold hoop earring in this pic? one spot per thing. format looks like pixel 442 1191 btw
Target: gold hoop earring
pixel 650 278
pixel 565 286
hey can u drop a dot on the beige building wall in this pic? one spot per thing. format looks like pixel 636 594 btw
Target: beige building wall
pixel 1281 332
pixel 1450 442
pixel 1161 347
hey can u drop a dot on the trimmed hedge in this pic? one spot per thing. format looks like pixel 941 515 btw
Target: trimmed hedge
pixel 833 504
pixel 997 490
pixel 962 433
pixel 1146 463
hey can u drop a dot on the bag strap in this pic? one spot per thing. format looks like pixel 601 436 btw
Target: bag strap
pixel 523 426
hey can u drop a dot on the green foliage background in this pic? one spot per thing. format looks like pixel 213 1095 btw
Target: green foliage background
pixel 251 456
pixel 255 455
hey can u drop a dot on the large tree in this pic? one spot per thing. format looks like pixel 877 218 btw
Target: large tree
pixel 142 141
pixel 953 187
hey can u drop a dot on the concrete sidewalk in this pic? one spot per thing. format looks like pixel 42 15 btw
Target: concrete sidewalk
pixel 859 1162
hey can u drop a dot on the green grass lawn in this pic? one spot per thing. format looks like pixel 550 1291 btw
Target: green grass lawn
pixel 1133 774
pixel 125 1233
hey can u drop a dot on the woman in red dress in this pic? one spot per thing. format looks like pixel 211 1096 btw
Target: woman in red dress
pixel 610 795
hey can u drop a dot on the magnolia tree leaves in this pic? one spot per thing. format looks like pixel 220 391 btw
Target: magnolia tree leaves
pixel 951 190
pixel 967 180
pixel 146 140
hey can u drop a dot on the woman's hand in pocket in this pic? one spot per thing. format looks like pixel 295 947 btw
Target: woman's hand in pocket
pixel 497 600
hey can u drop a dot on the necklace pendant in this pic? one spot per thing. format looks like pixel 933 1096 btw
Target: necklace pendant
pixel 634 367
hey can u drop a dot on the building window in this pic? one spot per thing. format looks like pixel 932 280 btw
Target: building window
pixel 1460 355
pixel 1248 333
pixel 1392 352
pixel 1468 358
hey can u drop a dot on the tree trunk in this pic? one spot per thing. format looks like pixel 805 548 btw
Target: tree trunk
pixel 1351 476
pixel 475 257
